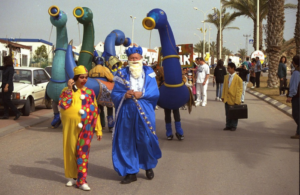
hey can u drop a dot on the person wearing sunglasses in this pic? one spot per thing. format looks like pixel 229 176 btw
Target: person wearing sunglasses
pixel 80 119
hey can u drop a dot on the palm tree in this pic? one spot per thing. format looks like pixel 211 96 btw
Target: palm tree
pixel 248 8
pixel 274 38
pixel 198 47
pixel 297 30
pixel 227 19
pixel 213 51
pixel 242 53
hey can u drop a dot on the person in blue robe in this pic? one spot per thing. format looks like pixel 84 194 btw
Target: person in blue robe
pixel 135 94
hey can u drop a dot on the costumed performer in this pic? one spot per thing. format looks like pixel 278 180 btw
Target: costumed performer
pixel 100 71
pixel 135 94
pixel 80 119
pixel 176 113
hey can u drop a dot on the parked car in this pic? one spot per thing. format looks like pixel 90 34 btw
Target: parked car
pixel 29 89
pixel 48 69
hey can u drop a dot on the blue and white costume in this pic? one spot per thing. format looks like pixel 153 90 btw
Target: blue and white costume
pixel 134 145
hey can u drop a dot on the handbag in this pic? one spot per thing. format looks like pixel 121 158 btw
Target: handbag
pixel 237 112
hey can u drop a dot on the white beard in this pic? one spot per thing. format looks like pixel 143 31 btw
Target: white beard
pixel 135 68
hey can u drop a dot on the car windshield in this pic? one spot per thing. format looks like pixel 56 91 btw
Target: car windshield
pixel 20 76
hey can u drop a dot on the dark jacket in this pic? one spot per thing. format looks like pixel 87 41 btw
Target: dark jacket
pixel 7 77
pixel 281 70
pixel 219 74
pixel 243 73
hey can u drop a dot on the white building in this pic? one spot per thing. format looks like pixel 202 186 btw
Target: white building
pixel 20 53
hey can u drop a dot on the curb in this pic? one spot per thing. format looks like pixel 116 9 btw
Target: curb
pixel 280 106
pixel 24 125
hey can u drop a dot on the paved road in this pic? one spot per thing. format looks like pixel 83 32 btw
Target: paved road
pixel 259 158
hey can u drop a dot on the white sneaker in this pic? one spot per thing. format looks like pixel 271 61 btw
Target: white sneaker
pixel 217 98
pixel 197 103
pixel 156 107
pixel 71 182
pixel 203 105
pixel 85 187
pixel 252 87
pixel 220 100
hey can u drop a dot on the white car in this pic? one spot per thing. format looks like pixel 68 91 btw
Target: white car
pixel 29 89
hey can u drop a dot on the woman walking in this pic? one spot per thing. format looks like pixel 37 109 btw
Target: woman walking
pixel 219 74
pixel 8 87
pixel 80 118
pixel 243 72
pixel 252 72
pixel 282 75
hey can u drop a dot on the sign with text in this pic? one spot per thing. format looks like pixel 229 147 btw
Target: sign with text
pixel 185 54
pixel 259 54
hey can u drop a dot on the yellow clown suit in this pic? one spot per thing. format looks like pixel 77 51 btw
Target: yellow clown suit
pixel 80 119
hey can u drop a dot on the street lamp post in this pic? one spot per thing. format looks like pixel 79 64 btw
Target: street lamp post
pixel 132 28
pixel 220 38
pixel 199 40
pixel 209 39
pixel 204 13
pixel 257 28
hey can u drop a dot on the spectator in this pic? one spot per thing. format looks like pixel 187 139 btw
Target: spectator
pixel 282 75
pixel 202 81
pixel 248 68
pixel 293 95
pixel 232 92
pixel 258 68
pixel 243 72
pixel 252 72
pixel 219 74
pixel 8 87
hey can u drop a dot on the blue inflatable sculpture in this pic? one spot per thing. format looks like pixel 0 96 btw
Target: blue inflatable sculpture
pixel 173 84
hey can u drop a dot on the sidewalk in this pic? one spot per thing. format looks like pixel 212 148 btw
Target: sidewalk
pixel 282 107
pixel 9 125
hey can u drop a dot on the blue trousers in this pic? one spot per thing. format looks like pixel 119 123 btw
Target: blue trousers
pixel 219 90
pixel 295 111
pixel 230 123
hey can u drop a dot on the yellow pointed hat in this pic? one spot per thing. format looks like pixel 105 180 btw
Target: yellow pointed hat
pixel 80 70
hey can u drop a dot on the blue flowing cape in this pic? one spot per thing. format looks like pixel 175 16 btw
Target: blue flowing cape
pixel 127 109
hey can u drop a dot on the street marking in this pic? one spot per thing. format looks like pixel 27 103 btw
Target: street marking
pixel 267 99
pixel 289 111
pixel 256 93
pixel 262 95
pixel 274 102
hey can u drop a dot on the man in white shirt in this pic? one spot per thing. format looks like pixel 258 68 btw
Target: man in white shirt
pixel 202 77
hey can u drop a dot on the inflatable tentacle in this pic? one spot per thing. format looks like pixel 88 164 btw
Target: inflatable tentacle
pixel 59 19
pixel 174 86
pixel 85 16
pixel 115 38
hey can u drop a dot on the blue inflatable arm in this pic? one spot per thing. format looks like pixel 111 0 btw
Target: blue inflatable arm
pixel 115 38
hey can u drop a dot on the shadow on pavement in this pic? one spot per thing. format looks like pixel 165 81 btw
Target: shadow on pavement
pixel 94 170
pixel 38 173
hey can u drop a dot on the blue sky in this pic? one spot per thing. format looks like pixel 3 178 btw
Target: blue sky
pixel 30 19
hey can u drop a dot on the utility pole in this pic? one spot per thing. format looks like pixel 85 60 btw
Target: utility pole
pixel 247 36
pixel 220 44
